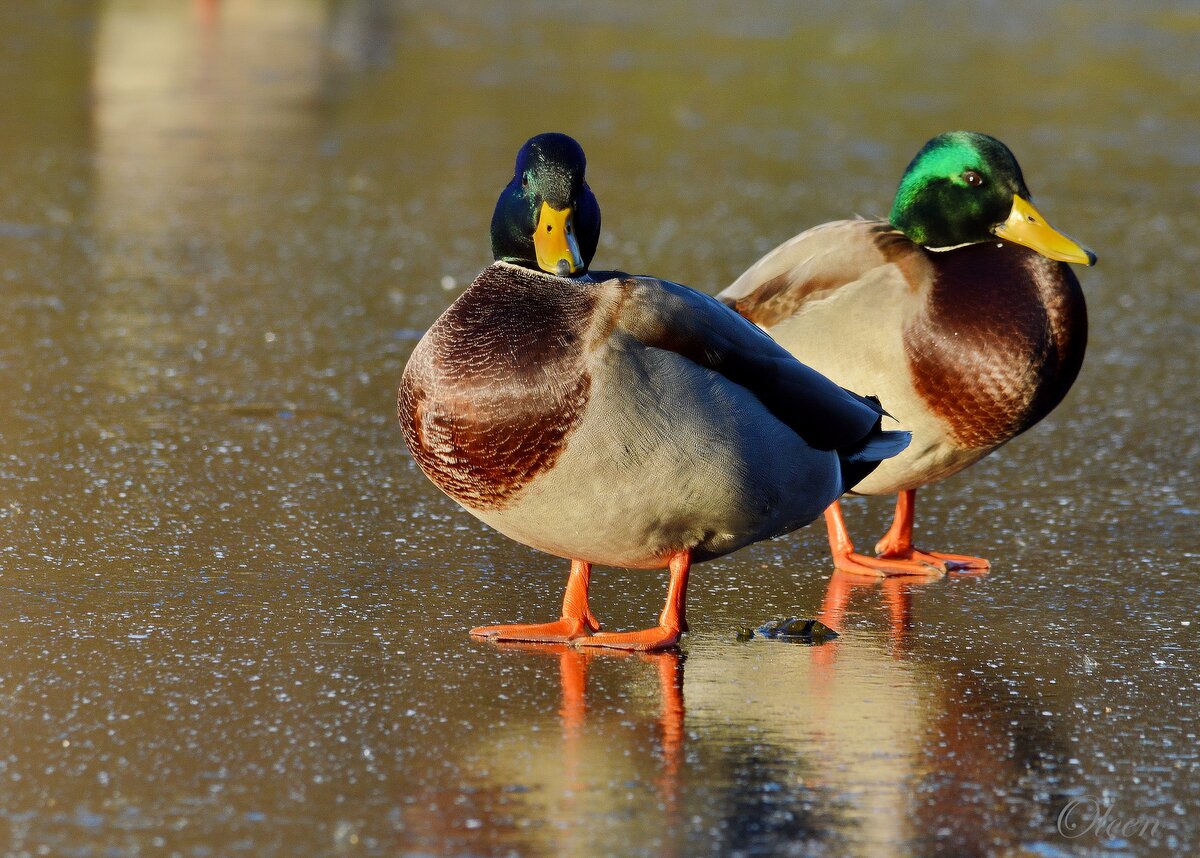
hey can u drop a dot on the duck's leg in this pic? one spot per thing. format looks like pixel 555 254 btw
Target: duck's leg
pixel 576 621
pixel 848 560
pixel 672 622
pixel 896 544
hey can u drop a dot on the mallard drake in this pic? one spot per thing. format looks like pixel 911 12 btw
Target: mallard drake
pixel 618 420
pixel 958 312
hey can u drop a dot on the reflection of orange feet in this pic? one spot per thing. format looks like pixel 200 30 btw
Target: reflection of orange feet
pixel 649 640
pixel 564 630
pixel 898 596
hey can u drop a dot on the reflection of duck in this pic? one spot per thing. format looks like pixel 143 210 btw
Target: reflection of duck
pixel 861 746
pixel 902 751
pixel 620 420
pixel 573 667
pixel 983 749
pixel 971 341
pixel 565 775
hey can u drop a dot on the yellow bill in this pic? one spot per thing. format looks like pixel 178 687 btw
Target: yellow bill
pixel 554 241
pixel 1026 226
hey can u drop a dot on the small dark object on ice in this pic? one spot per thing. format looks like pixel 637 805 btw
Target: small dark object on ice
pixel 791 629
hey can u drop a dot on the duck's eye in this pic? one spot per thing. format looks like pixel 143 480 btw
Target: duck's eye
pixel 972 178
pixel 525 181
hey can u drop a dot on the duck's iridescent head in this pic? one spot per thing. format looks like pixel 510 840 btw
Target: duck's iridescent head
pixel 547 218
pixel 965 188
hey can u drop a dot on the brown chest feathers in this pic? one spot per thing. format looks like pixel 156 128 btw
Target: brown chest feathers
pixel 494 389
pixel 1000 342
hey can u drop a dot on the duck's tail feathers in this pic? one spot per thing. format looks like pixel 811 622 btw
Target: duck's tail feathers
pixel 858 462
pixel 879 446
pixel 871 401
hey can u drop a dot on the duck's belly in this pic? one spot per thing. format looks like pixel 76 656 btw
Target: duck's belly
pixel 668 456
pixel 839 337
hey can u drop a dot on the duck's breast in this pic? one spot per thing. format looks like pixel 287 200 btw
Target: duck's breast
pixel 1000 342
pixel 496 387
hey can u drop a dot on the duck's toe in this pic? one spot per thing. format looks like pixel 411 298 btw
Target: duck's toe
pixel 956 564
pixel 647 640
pixel 563 630
pixel 854 563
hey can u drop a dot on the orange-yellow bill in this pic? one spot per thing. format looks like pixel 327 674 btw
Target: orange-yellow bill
pixel 1026 226
pixel 554 241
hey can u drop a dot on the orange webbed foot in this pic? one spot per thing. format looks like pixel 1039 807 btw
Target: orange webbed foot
pixel 896 546
pixel 955 564
pixel 863 565
pixel 648 640
pixel 672 622
pixel 846 559
pixel 563 630
pixel 577 619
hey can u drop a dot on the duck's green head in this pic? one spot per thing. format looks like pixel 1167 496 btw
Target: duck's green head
pixel 964 188
pixel 547 218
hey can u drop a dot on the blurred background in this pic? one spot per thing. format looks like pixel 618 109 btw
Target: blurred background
pixel 235 613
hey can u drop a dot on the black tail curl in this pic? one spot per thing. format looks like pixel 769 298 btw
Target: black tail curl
pixel 864 457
